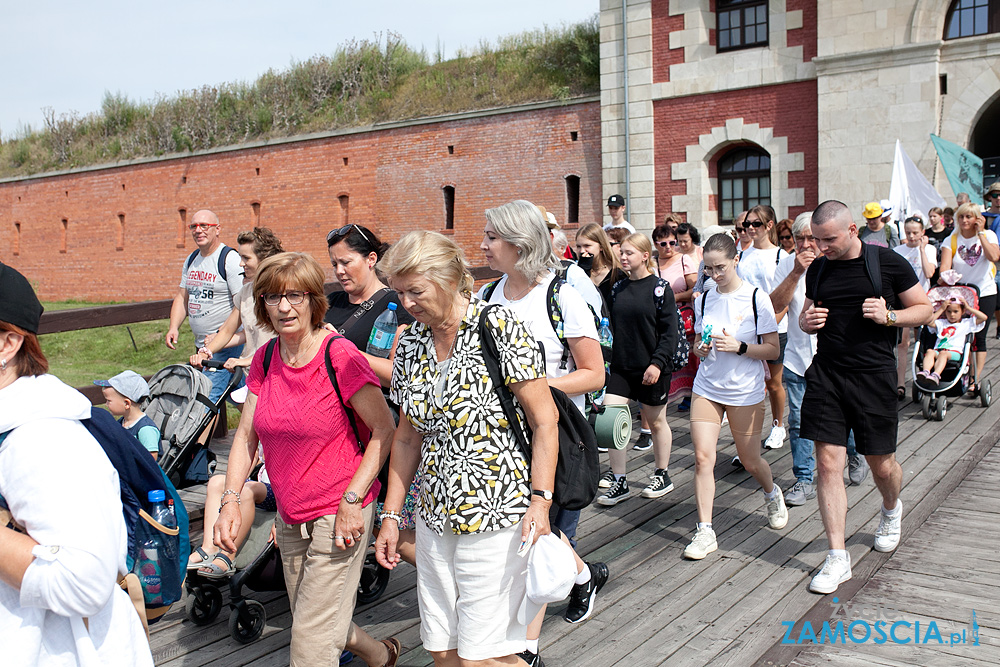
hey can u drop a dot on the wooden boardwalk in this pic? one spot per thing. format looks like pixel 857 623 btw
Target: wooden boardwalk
pixel 729 609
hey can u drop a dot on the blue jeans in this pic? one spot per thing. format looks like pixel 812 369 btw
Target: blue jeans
pixel 220 378
pixel 803 458
pixel 565 520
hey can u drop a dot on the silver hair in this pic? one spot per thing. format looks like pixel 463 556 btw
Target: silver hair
pixel 559 240
pixel 803 221
pixel 521 224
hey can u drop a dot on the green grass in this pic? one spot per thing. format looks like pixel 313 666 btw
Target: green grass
pixel 360 83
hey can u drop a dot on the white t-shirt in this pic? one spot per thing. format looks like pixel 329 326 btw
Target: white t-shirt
pixel 800 347
pixel 757 267
pixel 951 337
pixel 912 256
pixel 624 225
pixel 726 377
pixel 210 298
pixel 578 279
pixel 970 262
pixel 578 322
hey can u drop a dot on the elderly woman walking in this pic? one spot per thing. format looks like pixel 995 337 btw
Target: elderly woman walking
pixel 481 499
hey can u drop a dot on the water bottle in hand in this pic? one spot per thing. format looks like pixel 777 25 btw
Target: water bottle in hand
pixel 383 333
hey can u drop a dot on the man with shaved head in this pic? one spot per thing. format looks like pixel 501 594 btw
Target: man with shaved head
pixel 857 297
pixel 210 279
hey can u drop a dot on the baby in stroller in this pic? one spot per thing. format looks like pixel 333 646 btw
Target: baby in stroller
pixel 954 320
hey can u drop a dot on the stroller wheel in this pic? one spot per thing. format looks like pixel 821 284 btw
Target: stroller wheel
pixel 941 408
pixel 985 393
pixel 246 621
pixel 925 405
pixel 374 580
pixel 203 604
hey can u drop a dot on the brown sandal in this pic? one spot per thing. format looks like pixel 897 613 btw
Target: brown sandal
pixel 393 647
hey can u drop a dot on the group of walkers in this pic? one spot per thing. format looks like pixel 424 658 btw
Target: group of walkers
pixel 782 312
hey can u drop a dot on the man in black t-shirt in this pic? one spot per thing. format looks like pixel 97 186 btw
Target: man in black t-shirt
pixel 851 384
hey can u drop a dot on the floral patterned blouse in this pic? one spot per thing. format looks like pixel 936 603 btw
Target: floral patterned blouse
pixel 474 476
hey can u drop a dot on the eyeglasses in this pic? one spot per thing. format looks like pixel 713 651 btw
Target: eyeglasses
pixel 344 231
pixel 747 224
pixel 664 244
pixel 294 298
pixel 785 237
pixel 993 195
pixel 202 225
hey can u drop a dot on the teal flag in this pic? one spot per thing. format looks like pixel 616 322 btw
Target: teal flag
pixel 963 168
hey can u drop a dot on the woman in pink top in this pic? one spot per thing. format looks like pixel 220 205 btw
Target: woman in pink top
pixel 311 395
pixel 681 271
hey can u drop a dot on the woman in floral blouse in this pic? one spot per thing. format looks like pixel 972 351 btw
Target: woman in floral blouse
pixel 480 496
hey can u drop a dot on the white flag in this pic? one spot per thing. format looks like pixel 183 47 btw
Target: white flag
pixel 909 191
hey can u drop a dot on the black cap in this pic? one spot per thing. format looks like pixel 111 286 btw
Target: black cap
pixel 616 200
pixel 18 304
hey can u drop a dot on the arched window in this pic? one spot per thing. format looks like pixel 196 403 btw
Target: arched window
pixel 967 18
pixel 744 182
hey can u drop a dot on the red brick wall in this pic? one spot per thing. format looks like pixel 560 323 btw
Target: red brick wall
pixel 393 179
pixel 788 108
pixel 806 35
pixel 662 25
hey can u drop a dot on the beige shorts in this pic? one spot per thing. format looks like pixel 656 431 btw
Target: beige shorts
pixel 747 420
pixel 322 583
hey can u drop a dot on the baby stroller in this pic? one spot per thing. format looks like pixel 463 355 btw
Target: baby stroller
pixel 958 375
pixel 180 408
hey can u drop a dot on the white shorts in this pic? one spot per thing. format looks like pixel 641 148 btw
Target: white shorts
pixel 470 588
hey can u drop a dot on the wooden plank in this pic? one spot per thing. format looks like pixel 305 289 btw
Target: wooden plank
pixel 76 319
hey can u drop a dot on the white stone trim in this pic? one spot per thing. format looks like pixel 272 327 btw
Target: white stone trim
pixel 700 186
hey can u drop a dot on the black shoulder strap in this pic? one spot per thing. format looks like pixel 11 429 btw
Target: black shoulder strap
pixel 332 372
pixel 873 265
pixel 190 260
pixel 222 260
pixel 490 288
pixel 268 353
pixel 704 295
pixel 753 300
pixel 491 357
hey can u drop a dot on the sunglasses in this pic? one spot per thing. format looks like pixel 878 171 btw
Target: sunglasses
pixel 994 195
pixel 201 225
pixel 294 298
pixel 785 237
pixel 664 244
pixel 615 242
pixel 747 224
pixel 344 231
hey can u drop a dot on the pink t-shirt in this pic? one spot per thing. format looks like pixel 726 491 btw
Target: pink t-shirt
pixel 310 449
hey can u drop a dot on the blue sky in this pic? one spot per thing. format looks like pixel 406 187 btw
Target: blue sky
pixel 64 55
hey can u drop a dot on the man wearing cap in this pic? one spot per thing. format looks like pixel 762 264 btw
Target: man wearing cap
pixel 992 212
pixel 876 231
pixel 210 279
pixel 123 394
pixel 616 209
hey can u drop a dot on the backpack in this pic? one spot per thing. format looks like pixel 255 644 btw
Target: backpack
pixel 138 474
pixel 577 468
pixel 682 350
pixel 222 260
pixel 554 310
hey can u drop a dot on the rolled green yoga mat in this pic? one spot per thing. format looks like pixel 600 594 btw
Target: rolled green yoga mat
pixel 614 426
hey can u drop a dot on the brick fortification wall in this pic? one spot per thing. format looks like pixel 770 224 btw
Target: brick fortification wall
pixel 120 233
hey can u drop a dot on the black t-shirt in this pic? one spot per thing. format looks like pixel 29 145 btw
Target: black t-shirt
pixel 359 330
pixel 643 334
pixel 848 340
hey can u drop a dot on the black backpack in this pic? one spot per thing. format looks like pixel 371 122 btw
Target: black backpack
pixel 578 467
pixel 222 260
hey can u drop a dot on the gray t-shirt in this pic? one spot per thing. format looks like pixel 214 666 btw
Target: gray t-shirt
pixel 210 298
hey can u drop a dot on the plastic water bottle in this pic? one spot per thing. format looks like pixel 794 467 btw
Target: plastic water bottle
pixel 383 333
pixel 604 333
pixel 150 569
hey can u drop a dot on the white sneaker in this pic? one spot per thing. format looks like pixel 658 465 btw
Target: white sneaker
pixel 777 437
pixel 777 513
pixel 836 570
pixel 889 528
pixel 607 480
pixel 704 543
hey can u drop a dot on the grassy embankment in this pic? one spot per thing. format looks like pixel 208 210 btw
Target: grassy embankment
pixel 361 83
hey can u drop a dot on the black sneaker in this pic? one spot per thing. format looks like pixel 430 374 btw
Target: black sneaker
pixel 644 442
pixel 581 598
pixel 533 659
pixel 659 485
pixel 618 492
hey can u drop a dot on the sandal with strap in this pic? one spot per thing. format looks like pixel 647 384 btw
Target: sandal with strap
pixel 393 647
pixel 213 571
pixel 205 559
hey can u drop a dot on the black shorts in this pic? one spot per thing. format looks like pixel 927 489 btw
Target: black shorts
pixel 782 341
pixel 837 402
pixel 630 386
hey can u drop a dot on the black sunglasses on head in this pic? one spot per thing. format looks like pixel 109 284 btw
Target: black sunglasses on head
pixel 747 224
pixel 344 231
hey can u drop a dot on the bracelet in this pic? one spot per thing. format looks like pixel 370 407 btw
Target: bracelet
pixel 239 501
pixel 392 515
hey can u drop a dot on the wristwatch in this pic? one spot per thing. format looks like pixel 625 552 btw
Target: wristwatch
pixel 352 498
pixel 546 495
pixel 742 350
pixel 890 318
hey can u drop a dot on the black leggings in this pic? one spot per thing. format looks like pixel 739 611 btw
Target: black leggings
pixel 987 304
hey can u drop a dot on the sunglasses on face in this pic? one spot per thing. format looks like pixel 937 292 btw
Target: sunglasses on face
pixel 747 224
pixel 664 244
pixel 615 243
pixel 994 195
pixel 344 231
pixel 785 237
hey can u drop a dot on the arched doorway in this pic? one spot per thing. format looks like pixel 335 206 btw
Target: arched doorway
pixel 985 140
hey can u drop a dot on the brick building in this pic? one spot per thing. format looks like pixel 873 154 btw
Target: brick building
pixel 788 102
pixel 119 232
